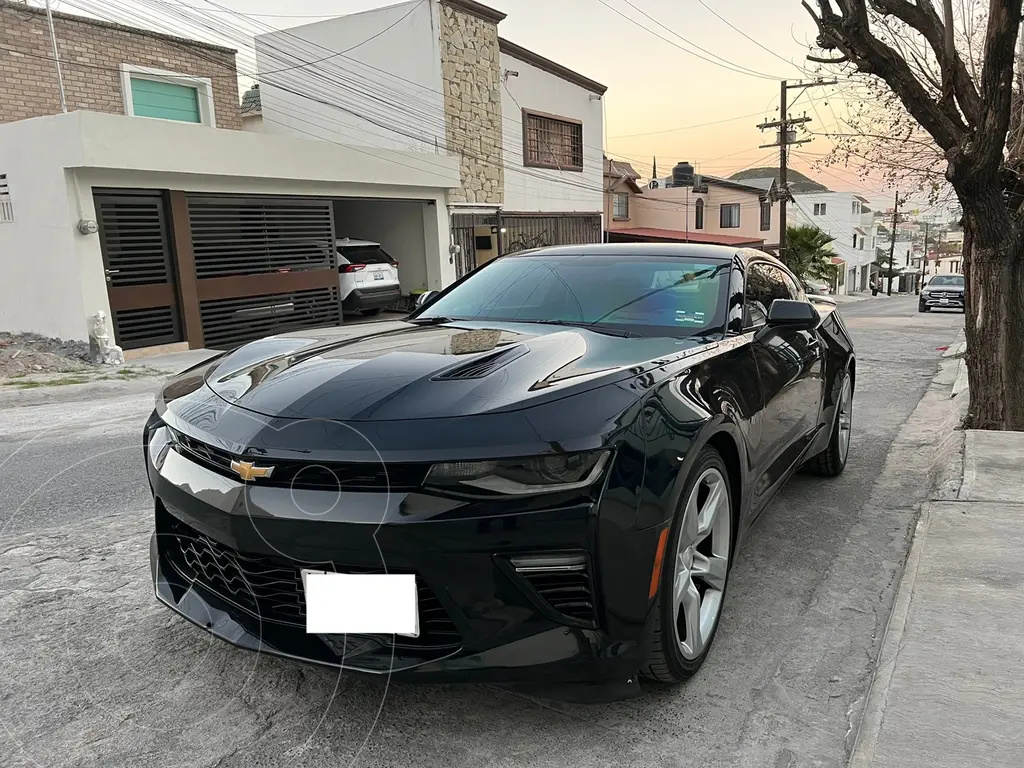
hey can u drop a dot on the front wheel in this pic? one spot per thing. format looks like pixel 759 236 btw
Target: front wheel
pixel 922 308
pixel 832 461
pixel 695 573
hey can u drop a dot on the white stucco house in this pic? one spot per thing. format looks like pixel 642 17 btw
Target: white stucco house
pixel 151 201
pixel 849 219
pixel 434 76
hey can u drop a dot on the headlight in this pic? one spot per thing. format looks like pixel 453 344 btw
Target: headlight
pixel 521 477
pixel 159 440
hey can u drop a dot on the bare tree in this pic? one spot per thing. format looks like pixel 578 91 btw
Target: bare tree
pixel 966 112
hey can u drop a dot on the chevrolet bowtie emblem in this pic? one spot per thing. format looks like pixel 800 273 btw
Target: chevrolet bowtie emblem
pixel 249 471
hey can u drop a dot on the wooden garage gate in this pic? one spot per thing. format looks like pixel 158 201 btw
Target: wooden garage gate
pixel 139 264
pixel 216 270
pixel 262 266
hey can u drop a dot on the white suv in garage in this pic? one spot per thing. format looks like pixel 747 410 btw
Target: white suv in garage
pixel 368 276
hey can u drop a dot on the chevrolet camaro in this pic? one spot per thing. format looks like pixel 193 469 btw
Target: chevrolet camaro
pixel 562 452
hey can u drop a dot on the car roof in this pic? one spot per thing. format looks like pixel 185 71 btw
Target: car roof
pixel 348 241
pixel 701 251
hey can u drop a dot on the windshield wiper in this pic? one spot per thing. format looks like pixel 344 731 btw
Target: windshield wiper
pixel 589 326
pixel 438 320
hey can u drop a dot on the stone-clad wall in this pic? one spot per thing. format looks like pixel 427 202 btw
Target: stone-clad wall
pixel 472 103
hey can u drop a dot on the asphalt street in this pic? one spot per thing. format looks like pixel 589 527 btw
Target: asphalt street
pixel 94 673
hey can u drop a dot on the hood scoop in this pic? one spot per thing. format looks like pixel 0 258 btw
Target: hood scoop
pixel 482 366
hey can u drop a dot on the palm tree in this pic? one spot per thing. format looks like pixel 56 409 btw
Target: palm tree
pixel 809 254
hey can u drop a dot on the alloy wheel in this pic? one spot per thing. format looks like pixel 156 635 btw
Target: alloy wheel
pixel 701 563
pixel 845 419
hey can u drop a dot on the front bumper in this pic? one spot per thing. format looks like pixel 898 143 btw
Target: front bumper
pixel 226 556
pixel 946 301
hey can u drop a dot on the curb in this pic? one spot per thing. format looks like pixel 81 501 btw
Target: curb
pixel 945 478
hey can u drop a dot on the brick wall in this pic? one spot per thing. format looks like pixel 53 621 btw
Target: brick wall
pixel 91 54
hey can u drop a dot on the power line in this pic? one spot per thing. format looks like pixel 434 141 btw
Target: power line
pixel 720 63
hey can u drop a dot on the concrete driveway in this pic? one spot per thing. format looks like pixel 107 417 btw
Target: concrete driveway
pixel 94 673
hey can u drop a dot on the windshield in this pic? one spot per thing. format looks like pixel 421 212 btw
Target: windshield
pixel 648 295
pixel 946 280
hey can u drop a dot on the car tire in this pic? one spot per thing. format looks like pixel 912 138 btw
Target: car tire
pixel 922 308
pixel 705 562
pixel 371 312
pixel 832 461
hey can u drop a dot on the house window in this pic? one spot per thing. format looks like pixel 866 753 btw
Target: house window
pixel 766 215
pixel 730 216
pixel 156 93
pixel 6 206
pixel 552 142
pixel 819 209
pixel 855 241
pixel 856 207
pixel 620 206
pixel 698 216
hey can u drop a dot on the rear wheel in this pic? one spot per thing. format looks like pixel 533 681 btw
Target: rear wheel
pixel 832 461
pixel 695 573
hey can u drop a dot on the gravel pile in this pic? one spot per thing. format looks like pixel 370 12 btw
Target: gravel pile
pixel 27 353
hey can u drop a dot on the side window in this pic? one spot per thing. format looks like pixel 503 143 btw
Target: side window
pixel 765 283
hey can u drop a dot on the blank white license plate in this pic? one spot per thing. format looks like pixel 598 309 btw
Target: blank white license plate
pixel 378 275
pixel 360 603
pixel 943 301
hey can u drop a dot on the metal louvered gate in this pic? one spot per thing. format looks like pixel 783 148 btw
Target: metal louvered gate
pixel 263 265
pixel 137 258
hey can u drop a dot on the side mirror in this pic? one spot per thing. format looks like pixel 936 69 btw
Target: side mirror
pixel 425 298
pixel 788 313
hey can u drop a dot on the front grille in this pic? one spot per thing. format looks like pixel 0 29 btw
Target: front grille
pixel 323 476
pixel 270 588
pixel 563 582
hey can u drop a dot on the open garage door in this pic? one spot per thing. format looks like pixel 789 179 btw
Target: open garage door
pixel 400 228
pixel 262 266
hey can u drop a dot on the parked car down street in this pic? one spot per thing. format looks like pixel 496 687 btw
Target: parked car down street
pixel 942 292
pixel 565 449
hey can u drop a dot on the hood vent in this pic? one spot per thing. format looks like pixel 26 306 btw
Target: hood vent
pixel 482 366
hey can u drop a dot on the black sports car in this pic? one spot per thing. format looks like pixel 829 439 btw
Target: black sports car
pixel 563 449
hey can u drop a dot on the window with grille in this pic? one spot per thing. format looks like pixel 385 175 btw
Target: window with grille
pixel 730 216
pixel 6 206
pixel 766 216
pixel 620 206
pixel 552 142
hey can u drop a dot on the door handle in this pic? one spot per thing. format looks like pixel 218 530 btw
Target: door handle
pixel 110 272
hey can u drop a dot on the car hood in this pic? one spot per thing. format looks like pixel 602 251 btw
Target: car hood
pixel 944 288
pixel 399 370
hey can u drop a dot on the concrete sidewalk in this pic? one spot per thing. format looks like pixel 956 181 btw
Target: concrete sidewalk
pixel 949 686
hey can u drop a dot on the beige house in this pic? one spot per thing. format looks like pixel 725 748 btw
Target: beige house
pixel 714 210
pixel 620 187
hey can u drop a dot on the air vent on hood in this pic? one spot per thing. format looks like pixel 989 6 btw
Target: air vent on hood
pixel 481 366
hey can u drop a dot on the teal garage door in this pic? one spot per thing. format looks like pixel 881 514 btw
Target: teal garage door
pixel 171 101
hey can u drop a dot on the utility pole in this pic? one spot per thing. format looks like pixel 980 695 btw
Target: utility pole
pixel 892 240
pixel 927 224
pixel 785 138
pixel 56 58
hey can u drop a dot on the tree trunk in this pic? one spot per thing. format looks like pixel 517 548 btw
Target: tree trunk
pixel 994 322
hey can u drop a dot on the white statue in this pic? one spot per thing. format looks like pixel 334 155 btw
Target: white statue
pixel 101 351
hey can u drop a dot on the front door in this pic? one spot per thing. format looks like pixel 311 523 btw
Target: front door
pixel 139 268
pixel 790 370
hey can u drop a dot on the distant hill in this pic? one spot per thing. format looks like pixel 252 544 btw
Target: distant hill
pixel 798 183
